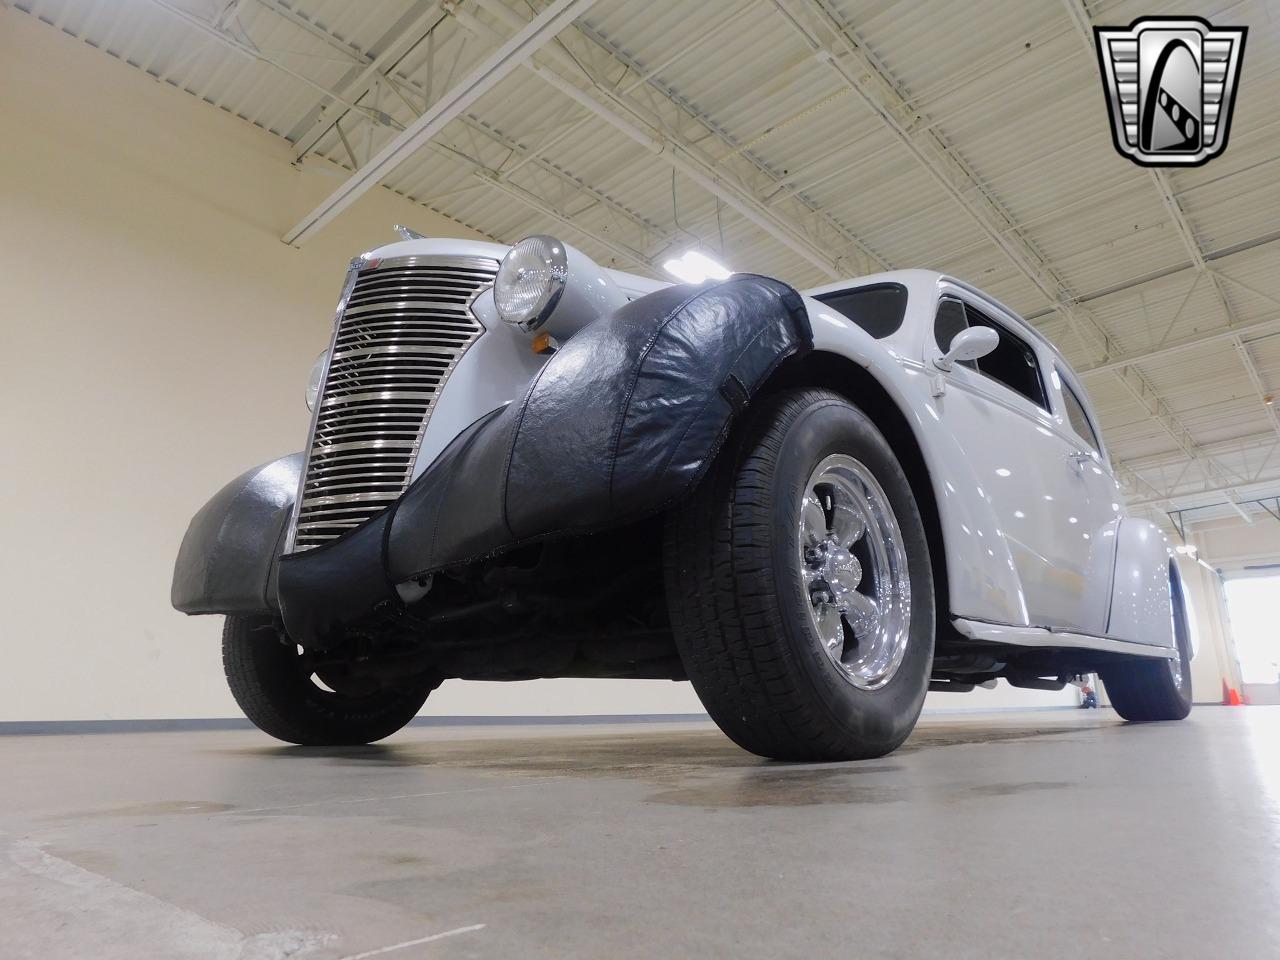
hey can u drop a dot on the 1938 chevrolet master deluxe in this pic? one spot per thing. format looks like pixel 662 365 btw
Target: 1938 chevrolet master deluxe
pixel 816 507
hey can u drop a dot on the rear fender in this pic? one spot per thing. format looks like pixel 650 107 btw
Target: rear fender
pixel 1140 595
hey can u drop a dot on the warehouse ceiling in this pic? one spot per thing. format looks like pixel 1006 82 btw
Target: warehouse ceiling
pixel 810 140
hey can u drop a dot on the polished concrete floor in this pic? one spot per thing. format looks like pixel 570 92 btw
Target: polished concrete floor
pixel 1020 835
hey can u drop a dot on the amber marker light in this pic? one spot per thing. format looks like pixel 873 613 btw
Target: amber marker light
pixel 544 343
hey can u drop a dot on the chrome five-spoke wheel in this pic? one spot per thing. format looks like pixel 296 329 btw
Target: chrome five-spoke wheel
pixel 800 585
pixel 853 566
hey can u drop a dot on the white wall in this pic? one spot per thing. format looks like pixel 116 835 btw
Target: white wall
pixel 1214 662
pixel 156 336
pixel 1227 544
pixel 156 340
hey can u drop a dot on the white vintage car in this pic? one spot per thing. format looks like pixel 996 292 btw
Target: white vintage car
pixel 815 507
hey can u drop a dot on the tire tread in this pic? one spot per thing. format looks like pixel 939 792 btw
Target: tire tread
pixel 722 599
pixel 262 674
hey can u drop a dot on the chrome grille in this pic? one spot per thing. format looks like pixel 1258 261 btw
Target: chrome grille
pixel 401 330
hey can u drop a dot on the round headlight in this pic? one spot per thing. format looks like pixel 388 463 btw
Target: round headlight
pixel 313 381
pixel 530 281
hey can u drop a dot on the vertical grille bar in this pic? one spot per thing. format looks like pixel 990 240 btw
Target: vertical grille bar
pixel 404 325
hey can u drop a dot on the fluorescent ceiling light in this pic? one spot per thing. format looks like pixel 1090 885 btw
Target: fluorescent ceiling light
pixel 696 267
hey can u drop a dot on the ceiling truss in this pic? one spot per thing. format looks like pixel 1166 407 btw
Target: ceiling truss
pixel 378 113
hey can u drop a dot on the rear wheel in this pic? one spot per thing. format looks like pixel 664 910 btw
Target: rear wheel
pixel 799 585
pixel 279 689
pixel 1150 689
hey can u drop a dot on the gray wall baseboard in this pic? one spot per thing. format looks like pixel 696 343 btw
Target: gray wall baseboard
pixel 30 728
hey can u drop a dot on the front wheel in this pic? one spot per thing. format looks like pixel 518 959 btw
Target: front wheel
pixel 1150 689
pixel 279 689
pixel 799 585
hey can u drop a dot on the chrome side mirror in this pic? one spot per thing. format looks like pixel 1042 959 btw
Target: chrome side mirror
pixel 969 344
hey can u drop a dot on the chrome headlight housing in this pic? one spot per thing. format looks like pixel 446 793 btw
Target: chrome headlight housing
pixel 530 281
pixel 316 380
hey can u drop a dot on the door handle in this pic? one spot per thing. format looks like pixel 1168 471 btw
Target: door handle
pixel 1080 458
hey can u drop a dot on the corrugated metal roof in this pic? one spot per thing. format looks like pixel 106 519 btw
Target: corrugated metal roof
pixel 1008 88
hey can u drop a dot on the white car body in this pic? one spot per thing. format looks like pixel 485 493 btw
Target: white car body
pixel 1039 550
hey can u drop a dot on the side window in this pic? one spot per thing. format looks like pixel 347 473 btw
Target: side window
pixel 1013 362
pixel 949 322
pixel 877 308
pixel 1079 419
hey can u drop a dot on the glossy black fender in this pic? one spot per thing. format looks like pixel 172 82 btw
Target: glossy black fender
pixel 624 419
pixel 227 561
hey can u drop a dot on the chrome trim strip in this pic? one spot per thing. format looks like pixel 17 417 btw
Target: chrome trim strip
pixel 1040 637
pixel 402 306
pixel 365 445
pixel 481 264
pixel 378 395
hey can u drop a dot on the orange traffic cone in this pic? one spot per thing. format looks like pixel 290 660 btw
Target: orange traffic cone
pixel 1233 698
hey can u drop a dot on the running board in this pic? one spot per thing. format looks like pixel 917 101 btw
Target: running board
pixel 1040 637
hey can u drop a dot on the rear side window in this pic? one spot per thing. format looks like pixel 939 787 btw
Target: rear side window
pixel 1079 419
pixel 877 308
pixel 1013 362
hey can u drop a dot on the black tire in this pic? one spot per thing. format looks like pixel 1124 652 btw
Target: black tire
pixel 738 605
pixel 276 691
pixel 1145 690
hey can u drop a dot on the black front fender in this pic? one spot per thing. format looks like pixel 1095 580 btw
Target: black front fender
pixel 623 420
pixel 227 561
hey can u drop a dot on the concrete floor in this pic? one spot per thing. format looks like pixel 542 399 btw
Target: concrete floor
pixel 1056 834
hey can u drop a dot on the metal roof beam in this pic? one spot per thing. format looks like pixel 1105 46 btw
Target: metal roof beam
pixel 310 26
pixel 617 210
pixel 1188 237
pixel 541 30
pixel 661 139
pixel 490 178
pixel 637 257
pixel 485 177
pixel 1265 398
pixel 414 32
pixel 1202 490
pixel 1160 413
pixel 1255 378
pixel 1080 17
pixel 1239 445
pixel 862 73
pixel 209 29
pixel 374 70
pixel 648 76
pixel 858 68
pixel 1241 333
pixel 230 12
pixel 1162 274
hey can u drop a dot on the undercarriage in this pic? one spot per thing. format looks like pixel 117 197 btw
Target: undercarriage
pixel 588 606
pixel 595 606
